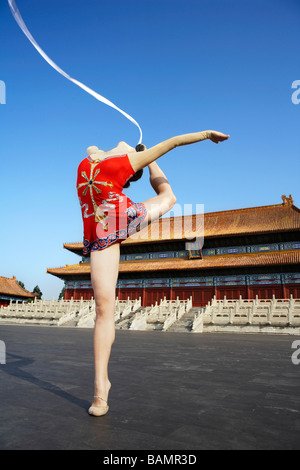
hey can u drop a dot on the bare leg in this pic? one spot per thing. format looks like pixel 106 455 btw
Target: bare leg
pixel 165 199
pixel 104 274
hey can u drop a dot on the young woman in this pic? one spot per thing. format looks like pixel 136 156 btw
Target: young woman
pixel 110 217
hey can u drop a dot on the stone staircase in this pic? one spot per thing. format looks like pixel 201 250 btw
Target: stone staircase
pixel 70 324
pixel 124 323
pixel 154 323
pixel 185 323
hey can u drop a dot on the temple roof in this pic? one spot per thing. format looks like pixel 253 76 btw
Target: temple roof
pixel 208 262
pixel 250 221
pixel 10 286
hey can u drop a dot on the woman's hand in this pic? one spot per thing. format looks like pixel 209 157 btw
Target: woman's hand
pixel 218 137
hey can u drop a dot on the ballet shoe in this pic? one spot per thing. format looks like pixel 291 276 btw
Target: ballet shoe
pixel 98 410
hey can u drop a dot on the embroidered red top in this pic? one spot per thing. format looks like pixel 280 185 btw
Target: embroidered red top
pixel 108 215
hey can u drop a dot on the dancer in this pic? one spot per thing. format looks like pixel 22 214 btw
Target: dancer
pixel 109 217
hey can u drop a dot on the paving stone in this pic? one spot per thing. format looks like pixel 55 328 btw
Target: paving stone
pixel 169 391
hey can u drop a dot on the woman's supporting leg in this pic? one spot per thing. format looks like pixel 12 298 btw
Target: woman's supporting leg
pixel 104 275
pixel 165 199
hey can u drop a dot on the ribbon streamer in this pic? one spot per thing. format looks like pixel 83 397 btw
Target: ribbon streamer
pixel 17 16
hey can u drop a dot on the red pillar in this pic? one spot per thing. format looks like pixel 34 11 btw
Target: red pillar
pixel 216 292
pixel 171 294
pixel 285 292
pixel 144 297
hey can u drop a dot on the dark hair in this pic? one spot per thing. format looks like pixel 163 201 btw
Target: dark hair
pixel 139 173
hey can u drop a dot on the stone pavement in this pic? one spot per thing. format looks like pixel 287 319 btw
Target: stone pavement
pixel 170 391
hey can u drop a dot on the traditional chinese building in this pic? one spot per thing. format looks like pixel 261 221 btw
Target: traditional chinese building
pixel 247 252
pixel 10 290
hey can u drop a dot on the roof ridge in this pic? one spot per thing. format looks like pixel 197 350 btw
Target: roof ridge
pixel 72 243
pixel 67 266
pixel 9 278
pixel 246 209
pixel 230 210
pixel 4 277
pixel 295 208
pixel 12 283
pixel 226 210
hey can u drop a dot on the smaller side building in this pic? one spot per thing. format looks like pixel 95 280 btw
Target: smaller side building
pixel 11 290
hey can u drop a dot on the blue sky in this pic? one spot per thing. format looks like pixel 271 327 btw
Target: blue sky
pixel 176 66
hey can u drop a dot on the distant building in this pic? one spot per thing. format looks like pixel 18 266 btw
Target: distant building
pixel 247 252
pixel 11 290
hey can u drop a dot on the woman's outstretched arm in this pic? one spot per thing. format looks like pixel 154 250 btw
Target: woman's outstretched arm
pixel 140 160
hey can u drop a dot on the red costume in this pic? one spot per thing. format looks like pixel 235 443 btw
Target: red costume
pixel 108 215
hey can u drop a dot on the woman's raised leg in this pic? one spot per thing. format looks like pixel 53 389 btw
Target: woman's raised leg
pixel 165 199
pixel 104 275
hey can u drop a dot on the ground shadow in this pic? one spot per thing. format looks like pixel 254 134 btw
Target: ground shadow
pixel 15 366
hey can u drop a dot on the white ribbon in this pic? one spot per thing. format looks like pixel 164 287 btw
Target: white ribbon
pixel 19 20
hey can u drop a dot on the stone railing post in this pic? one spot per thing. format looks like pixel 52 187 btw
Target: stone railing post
pixel 291 310
pixel 198 322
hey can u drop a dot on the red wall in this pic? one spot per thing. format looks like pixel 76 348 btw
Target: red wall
pixel 201 295
pixel 86 294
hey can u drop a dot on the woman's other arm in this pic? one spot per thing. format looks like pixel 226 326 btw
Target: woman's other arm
pixel 140 160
